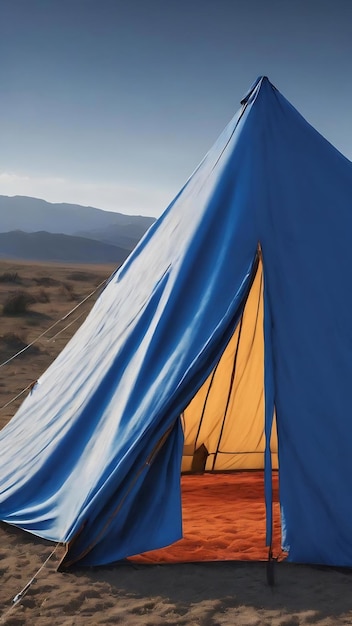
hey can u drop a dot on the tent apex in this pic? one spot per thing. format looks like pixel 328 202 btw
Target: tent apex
pixel 260 80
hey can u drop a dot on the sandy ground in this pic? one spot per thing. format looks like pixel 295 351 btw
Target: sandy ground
pixel 206 594
pixel 227 593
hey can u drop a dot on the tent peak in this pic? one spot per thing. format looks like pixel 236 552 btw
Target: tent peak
pixel 248 94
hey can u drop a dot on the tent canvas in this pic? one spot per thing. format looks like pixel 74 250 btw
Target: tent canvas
pixel 250 262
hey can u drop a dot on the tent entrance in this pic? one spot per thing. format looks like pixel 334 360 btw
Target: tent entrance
pixel 224 423
pixel 223 505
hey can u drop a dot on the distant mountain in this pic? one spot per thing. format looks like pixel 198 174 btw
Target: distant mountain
pixel 127 234
pixel 32 215
pixel 44 246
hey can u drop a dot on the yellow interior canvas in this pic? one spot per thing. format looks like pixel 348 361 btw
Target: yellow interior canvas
pixel 224 423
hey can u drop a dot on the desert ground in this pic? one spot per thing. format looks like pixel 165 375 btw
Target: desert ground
pixel 34 302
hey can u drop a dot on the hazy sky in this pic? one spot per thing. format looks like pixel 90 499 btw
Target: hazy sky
pixel 112 103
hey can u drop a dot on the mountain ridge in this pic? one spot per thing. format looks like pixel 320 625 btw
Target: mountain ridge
pixel 44 246
pixel 29 215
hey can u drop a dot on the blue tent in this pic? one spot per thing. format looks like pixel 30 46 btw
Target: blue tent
pixel 93 456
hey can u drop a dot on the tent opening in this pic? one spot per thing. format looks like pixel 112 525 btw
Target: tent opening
pixel 222 479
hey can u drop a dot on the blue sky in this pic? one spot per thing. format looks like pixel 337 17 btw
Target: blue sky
pixel 112 103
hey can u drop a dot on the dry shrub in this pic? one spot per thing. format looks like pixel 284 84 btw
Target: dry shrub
pixel 42 296
pixel 34 321
pixel 67 292
pixel 10 277
pixel 11 343
pixel 46 281
pixel 81 276
pixel 18 303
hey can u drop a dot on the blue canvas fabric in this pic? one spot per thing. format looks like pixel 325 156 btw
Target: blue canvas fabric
pixel 92 457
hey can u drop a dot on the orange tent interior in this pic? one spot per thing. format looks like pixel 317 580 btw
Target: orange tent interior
pixel 222 495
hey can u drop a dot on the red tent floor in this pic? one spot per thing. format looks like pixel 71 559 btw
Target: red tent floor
pixel 223 519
